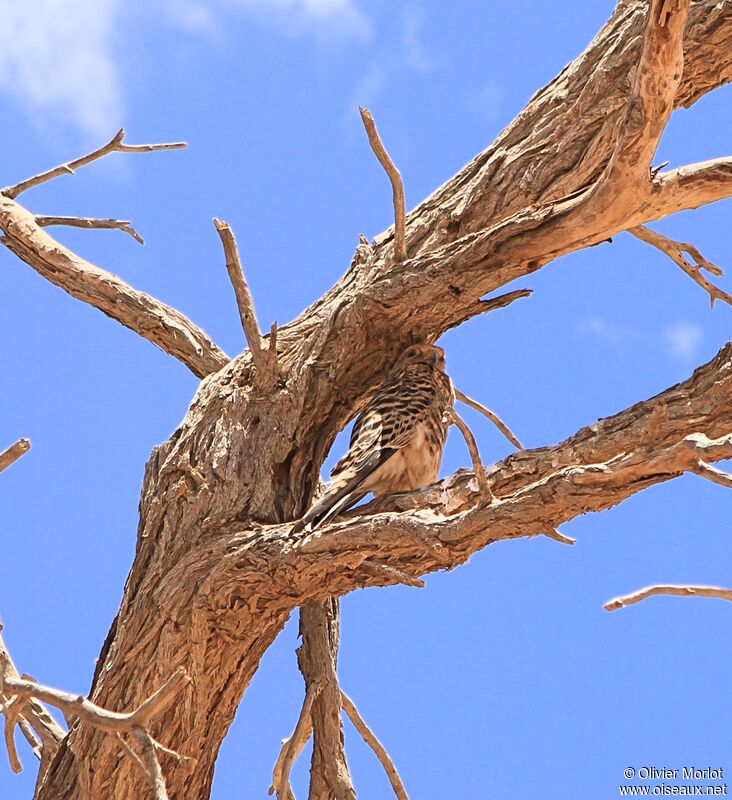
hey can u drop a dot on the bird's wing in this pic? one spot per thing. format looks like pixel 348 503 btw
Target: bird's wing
pixel 386 424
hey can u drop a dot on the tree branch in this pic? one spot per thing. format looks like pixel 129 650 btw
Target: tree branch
pixel 13 453
pixel 675 251
pixel 24 693
pixel 458 421
pixel 371 740
pixel 397 188
pixel 90 223
pixel 115 144
pixel 492 416
pixel 265 360
pixel 158 323
pixel 292 747
pixel 652 98
pixel 317 659
pixel 667 589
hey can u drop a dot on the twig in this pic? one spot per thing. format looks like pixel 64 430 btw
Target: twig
pixel 371 740
pixel 559 537
pixel 483 485
pixel 675 251
pixel 492 416
pixel 152 765
pixel 397 188
pixel 292 747
pixel 89 223
pixel 12 454
pixel 669 589
pixel 393 573
pixel 265 361
pixel 115 144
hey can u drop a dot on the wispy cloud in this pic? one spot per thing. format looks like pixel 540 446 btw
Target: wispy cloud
pixel 683 340
pixel 59 61
pixel 679 341
pixel 319 17
pixel 415 54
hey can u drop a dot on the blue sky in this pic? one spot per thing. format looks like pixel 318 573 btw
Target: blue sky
pixel 505 677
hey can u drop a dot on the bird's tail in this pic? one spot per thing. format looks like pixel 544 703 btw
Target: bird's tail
pixel 341 495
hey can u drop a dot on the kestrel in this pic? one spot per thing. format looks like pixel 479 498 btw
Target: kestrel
pixel 397 442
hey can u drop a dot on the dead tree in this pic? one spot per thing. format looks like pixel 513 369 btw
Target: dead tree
pixel 217 572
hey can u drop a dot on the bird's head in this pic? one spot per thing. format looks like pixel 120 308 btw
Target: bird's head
pixel 421 354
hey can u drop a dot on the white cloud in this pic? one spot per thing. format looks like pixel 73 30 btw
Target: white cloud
pixel 323 18
pixel 415 55
pixel 56 57
pixel 683 340
pixel 677 340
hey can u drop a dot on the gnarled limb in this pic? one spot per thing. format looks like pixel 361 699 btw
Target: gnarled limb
pixel 151 319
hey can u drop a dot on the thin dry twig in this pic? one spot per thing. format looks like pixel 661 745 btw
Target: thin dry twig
pixel 371 740
pixel 152 765
pixel 483 484
pixel 292 747
pixel 12 454
pixel 667 589
pixel 90 223
pixel 675 251
pixel 115 144
pixel 265 360
pixel 492 416
pixel 397 188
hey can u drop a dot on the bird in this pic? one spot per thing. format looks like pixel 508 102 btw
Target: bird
pixel 397 441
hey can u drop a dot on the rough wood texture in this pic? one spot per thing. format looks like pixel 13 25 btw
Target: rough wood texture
pixel 217 572
pixel 160 324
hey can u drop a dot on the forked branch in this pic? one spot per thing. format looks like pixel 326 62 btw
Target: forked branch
pixel 667 589
pixel 114 145
pixel 136 723
pixel 675 251
pixel 397 188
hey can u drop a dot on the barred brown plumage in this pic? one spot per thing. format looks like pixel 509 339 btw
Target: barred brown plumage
pixel 397 442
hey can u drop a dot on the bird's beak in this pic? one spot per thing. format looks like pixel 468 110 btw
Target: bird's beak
pixel 432 358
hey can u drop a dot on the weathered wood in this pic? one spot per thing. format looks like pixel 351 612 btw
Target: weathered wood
pixel 217 572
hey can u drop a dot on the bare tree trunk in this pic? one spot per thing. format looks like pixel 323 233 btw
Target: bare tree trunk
pixel 217 571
